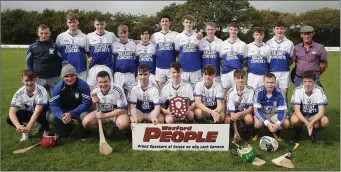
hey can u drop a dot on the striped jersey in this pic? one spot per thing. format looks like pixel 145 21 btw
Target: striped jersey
pixel 165 48
pixel 189 54
pixel 21 97
pixel 232 55
pixel 281 54
pixel 145 54
pixel 210 52
pixel 238 103
pixel 209 96
pixel 124 56
pixel 145 100
pixel 114 99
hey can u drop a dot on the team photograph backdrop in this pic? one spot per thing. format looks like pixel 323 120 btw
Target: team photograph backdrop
pixel 19 26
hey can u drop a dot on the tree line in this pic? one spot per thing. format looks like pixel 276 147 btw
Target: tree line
pixel 19 26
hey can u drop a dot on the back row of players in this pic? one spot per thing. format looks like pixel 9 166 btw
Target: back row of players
pixel 159 59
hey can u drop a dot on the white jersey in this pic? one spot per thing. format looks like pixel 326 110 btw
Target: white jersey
pixel 145 100
pixel 165 48
pixel 281 54
pixel 239 103
pixel 209 96
pixel 100 48
pixel 145 54
pixel 258 58
pixel 168 92
pixel 74 48
pixel 124 56
pixel 39 97
pixel 189 54
pixel 210 52
pixel 232 55
pixel 309 103
pixel 114 99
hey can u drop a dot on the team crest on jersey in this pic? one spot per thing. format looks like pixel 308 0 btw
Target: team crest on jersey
pixel 77 95
pixel 73 41
pixel 309 101
pixel 275 103
pixel 278 47
pixel 51 50
pixel 258 51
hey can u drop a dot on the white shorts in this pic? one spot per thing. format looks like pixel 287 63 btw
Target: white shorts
pixel 125 80
pixel 91 80
pixel 227 80
pixel 151 79
pixel 282 79
pixel 191 77
pixel 82 75
pixel 254 80
pixel 162 75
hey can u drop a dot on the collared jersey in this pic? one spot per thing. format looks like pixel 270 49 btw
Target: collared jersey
pixel 145 100
pixel 124 56
pixel 165 48
pixel 258 58
pixel 21 97
pixel 309 103
pixel 281 54
pixel 168 92
pixel 209 96
pixel 210 52
pixel 189 54
pixel 145 54
pixel 114 99
pixel 239 103
pixel 101 48
pixel 74 48
pixel 269 105
pixel 232 55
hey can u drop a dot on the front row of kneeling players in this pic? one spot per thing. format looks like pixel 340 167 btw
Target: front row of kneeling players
pixel 71 99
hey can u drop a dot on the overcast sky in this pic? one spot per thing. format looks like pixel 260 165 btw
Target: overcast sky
pixel 151 7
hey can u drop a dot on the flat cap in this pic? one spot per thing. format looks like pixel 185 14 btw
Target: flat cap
pixel 306 29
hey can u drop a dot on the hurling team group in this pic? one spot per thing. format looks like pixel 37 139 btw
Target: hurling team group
pixel 132 81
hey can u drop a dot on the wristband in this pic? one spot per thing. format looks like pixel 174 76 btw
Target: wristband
pixel 266 122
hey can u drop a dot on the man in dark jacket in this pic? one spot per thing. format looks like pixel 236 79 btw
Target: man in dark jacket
pixel 70 100
pixel 45 59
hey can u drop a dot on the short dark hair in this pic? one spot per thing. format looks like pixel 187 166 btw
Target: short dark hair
pixel 165 16
pixel 143 68
pixel 239 73
pixel 235 25
pixel 309 75
pixel 103 74
pixel 258 30
pixel 209 70
pixel 187 17
pixel 29 74
pixel 144 29
pixel 279 23
pixel 176 66
pixel 100 18
pixel 269 75
pixel 43 26
pixel 71 16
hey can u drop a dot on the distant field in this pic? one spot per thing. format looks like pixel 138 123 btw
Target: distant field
pixel 75 155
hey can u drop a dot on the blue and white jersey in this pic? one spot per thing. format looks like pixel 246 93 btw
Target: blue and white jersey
pixel 309 103
pixel 145 100
pixel 258 58
pixel 210 52
pixel 124 56
pixel 238 103
pixel 145 54
pixel 165 48
pixel 281 54
pixel 74 48
pixel 232 55
pixel 114 99
pixel 21 97
pixel 209 96
pixel 269 105
pixel 168 92
pixel 189 54
pixel 100 48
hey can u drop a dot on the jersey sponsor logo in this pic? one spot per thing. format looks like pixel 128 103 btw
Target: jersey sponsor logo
pixel 145 102
pixel 270 109
pixel 107 107
pixel 146 57
pixel 124 55
pixel 71 48
pixel 277 54
pixel 105 48
pixel 164 46
pixel 209 101
pixel 258 59
pixel 189 48
pixel 309 108
pixel 209 54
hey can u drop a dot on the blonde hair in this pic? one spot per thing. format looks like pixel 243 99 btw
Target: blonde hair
pixel 123 28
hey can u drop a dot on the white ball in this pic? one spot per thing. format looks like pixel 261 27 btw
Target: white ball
pixel 268 143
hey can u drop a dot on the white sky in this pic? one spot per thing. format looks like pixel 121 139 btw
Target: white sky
pixel 151 7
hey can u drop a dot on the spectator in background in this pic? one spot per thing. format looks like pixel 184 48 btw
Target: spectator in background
pixel 309 55
pixel 45 59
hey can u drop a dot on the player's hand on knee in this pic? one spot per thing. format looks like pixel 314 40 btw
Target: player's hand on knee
pixel 20 129
pixel 99 115
pixel 271 127
pixel 94 99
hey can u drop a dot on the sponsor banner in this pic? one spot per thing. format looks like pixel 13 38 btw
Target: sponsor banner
pixel 195 137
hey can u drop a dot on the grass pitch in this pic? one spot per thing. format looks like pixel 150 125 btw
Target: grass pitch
pixel 78 155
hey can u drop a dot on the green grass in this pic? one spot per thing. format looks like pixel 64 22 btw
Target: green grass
pixel 77 155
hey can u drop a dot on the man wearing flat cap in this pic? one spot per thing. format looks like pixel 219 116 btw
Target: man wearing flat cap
pixel 70 100
pixel 309 56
